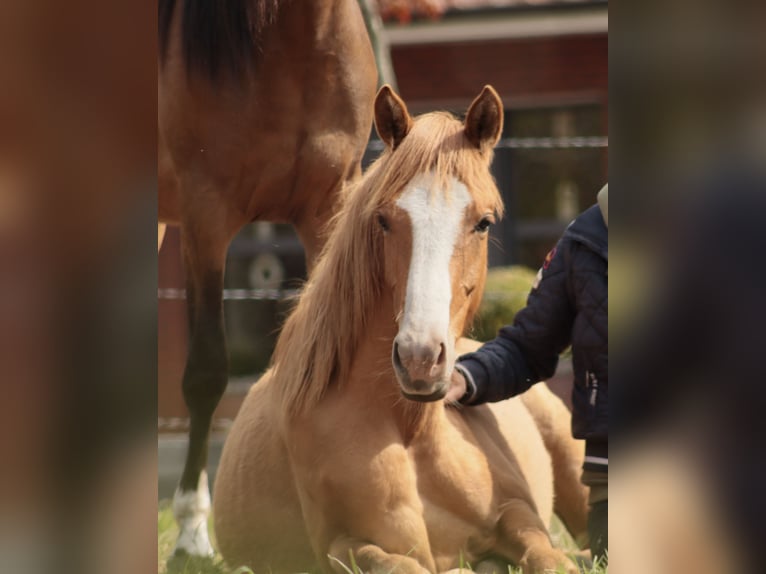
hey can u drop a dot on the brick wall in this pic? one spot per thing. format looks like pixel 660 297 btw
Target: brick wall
pixel 518 69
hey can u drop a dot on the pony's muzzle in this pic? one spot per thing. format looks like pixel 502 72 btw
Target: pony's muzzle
pixel 420 367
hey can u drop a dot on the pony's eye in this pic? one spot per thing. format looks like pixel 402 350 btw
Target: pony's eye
pixel 383 223
pixel 483 225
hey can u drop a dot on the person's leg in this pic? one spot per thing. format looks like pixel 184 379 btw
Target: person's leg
pixel 598 529
pixel 598 517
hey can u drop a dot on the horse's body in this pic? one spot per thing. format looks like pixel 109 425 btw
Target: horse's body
pixel 326 456
pixel 449 490
pixel 264 110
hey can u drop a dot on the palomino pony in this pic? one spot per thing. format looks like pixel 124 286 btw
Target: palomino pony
pixel 345 451
pixel 264 110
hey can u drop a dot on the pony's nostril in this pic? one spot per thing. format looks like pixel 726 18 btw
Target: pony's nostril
pixel 442 355
pixel 396 358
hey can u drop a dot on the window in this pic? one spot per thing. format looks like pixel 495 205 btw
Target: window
pixel 545 187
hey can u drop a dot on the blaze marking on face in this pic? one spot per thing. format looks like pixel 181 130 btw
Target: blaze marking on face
pixel 436 218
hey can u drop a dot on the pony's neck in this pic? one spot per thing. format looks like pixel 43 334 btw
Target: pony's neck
pixel 372 376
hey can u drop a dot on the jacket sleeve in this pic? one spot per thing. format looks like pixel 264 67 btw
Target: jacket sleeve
pixel 528 350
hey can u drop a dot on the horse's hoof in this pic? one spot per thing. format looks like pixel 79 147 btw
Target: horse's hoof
pixel 537 562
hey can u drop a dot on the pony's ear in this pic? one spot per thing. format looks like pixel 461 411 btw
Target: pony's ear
pixel 484 119
pixel 392 120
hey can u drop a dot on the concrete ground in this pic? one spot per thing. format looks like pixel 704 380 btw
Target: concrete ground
pixel 171 454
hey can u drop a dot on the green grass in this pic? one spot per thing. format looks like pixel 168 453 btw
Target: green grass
pixel 167 532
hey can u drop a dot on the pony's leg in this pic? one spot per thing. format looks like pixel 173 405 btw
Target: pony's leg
pixel 205 376
pixel 553 420
pixel 525 540
pixel 369 558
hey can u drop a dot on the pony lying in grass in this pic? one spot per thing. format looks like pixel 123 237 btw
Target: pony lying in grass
pixel 345 453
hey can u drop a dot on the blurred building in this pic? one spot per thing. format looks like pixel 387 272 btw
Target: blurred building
pixel 548 59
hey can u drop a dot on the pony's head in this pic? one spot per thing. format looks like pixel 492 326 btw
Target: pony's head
pixel 413 228
pixel 433 222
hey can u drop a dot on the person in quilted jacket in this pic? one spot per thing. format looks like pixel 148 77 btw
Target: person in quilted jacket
pixel 566 306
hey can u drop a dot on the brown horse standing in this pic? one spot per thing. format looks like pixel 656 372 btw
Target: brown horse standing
pixel 264 111
pixel 346 447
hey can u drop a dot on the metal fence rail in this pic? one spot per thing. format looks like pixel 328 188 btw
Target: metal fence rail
pixel 172 294
pixel 181 424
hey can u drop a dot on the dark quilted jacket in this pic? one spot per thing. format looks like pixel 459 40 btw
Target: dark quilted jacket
pixel 567 306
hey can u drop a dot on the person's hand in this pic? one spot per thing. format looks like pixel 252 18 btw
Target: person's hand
pixel 457 387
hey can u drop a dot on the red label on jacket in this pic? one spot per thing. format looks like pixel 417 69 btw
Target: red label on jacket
pixel 549 258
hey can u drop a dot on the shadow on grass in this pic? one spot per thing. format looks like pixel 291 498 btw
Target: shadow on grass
pixel 196 565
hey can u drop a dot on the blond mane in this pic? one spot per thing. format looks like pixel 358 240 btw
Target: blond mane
pixel 319 339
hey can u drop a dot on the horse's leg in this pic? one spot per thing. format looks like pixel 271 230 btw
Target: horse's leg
pixel 161 227
pixel 309 233
pixel 369 558
pixel 553 420
pixel 311 224
pixel 525 540
pixel 205 375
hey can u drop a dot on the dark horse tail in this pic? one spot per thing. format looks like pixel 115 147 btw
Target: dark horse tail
pixel 218 36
